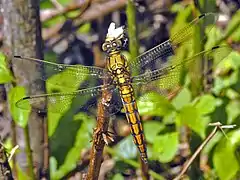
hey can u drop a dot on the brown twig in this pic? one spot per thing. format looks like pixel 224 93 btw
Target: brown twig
pixel 95 11
pixel 63 10
pixel 218 126
pixel 98 141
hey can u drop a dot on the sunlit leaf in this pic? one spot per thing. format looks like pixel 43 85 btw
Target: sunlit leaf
pixel 118 177
pixel 45 4
pixel 63 2
pixel 224 159
pixel 53 21
pixel 233 111
pixel 85 28
pixel 170 118
pixel 165 147
pixel 151 129
pixel 182 99
pixel 206 104
pixel 191 116
pixel 213 34
pixel 5 74
pixel 20 116
pixel 53 165
pixel 154 104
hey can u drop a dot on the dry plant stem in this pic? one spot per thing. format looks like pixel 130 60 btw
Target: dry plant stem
pixel 98 141
pixel 92 13
pixel 14 142
pixel 56 4
pixel 199 149
pixel 64 10
pixel 5 170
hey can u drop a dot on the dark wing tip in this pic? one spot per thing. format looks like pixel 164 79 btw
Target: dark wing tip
pixel 207 14
pixel 17 56
pixel 202 15
pixel 215 47
pixel 20 100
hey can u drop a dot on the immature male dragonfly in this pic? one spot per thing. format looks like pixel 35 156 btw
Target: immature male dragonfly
pixel 118 77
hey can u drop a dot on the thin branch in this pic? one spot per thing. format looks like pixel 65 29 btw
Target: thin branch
pixel 98 141
pixel 12 152
pixel 92 13
pixel 57 4
pixel 47 15
pixel 218 126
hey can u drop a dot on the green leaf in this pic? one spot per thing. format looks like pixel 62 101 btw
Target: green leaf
pixel 170 118
pixel 118 177
pixel 182 99
pixel 20 116
pixel 85 28
pixel 154 104
pixel 151 129
pixel 206 104
pixel 46 4
pixel 53 166
pixel 21 174
pixel 191 117
pixel 82 141
pixel 5 74
pixel 213 34
pixel 224 159
pixel 181 19
pixel 225 81
pixel 63 82
pixel 54 21
pixel 63 2
pixel 234 23
pixel 165 147
pixel 233 111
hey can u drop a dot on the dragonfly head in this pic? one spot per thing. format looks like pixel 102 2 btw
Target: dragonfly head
pixel 115 39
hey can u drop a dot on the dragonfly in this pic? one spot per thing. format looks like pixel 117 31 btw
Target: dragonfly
pixel 124 79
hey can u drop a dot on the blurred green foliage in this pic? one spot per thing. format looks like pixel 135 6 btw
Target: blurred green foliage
pixel 5 73
pixel 162 132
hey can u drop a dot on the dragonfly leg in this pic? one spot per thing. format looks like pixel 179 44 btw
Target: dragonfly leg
pixel 99 135
pixel 107 137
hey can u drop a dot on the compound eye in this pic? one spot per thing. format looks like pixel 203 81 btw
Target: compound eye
pixel 114 44
pixel 119 44
pixel 106 46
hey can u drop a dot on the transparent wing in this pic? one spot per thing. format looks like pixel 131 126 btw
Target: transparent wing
pixel 153 58
pixel 166 79
pixel 69 76
pixel 82 100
